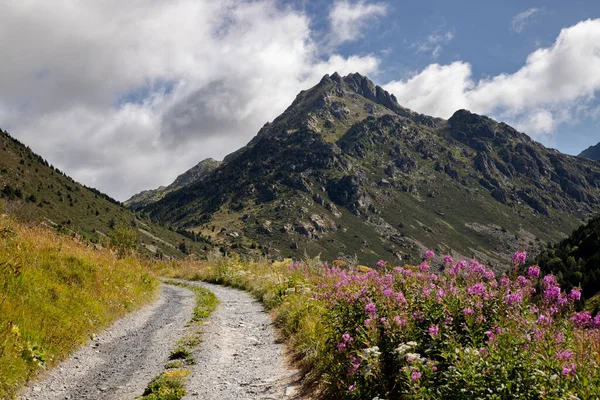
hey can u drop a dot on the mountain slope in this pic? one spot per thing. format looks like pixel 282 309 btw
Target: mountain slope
pixel 592 152
pixel 36 191
pixel 346 171
pixel 194 174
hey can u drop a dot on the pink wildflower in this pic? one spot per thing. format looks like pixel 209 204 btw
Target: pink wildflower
pixel 424 267
pixel 564 355
pixel 429 255
pixel 370 308
pixel 448 260
pixel 549 280
pixel 569 370
pixel 380 264
pixel 434 331
pixel 468 311
pixel 544 320
pixel 347 338
pixel 514 298
pixel 519 258
pixel 477 289
pixel 552 293
pixel 575 294
pixel 415 376
pixel 533 272
pixel 351 388
pixel 581 319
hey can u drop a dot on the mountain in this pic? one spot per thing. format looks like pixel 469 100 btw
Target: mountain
pixel 592 152
pixel 347 172
pixel 576 259
pixel 193 175
pixel 35 191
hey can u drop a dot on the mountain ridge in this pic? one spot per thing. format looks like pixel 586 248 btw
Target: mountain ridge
pixel 345 170
pixel 592 152
pixel 192 175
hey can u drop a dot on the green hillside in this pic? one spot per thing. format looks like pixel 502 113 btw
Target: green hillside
pixel 35 191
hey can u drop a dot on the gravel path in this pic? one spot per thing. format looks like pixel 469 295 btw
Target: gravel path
pixel 122 360
pixel 240 357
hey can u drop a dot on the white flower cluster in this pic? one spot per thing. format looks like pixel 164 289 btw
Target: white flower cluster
pixel 401 350
pixel 371 352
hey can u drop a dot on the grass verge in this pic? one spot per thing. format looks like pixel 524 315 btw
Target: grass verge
pixel 170 384
pixel 54 293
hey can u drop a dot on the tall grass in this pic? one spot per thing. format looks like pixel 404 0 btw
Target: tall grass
pixel 54 293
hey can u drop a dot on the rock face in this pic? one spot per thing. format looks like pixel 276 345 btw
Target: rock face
pixel 592 152
pixel 347 171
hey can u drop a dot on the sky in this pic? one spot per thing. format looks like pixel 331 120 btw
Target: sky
pixel 126 95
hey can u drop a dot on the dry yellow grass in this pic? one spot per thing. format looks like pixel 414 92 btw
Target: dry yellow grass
pixel 54 293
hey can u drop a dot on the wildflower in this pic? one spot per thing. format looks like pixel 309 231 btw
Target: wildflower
pixel 380 264
pixel 347 338
pixel 522 281
pixel 371 352
pixel 549 280
pixel 399 321
pixel 429 255
pixel 519 258
pixel 581 319
pixel 325 265
pixel 564 355
pixel 544 320
pixel 552 293
pixel 415 376
pixel 533 272
pixel 355 365
pixel 575 294
pixel 477 289
pixel 411 357
pixel 490 335
pixel 596 322
pixel 448 260
pixel 352 388
pixel 514 298
pixel 370 308
pixel 401 350
pixel 569 370
pixel 341 346
pixel 504 281
pixel 434 331
pixel 424 267
pixel 468 311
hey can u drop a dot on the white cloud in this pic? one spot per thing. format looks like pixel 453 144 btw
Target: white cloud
pixel 125 96
pixel 547 90
pixel 348 19
pixel 434 43
pixel 521 20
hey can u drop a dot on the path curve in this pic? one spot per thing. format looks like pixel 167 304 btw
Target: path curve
pixel 240 357
pixel 123 359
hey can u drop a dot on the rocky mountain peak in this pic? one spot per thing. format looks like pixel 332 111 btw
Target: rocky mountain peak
pixel 592 152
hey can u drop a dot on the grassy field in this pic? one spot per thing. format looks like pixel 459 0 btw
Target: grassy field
pixel 55 292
